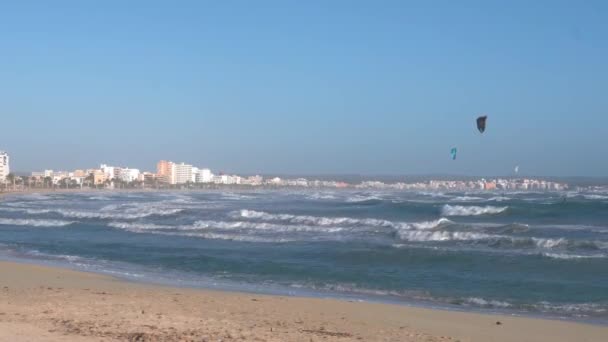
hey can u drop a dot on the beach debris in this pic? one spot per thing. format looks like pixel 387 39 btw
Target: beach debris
pixel 323 332
pixel 498 323
pixel 481 123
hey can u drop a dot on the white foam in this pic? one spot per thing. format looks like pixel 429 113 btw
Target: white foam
pixel 576 308
pixel 213 236
pixel 361 198
pixel 424 236
pixel 431 224
pixel 459 210
pixel 466 199
pixel 488 303
pixel 133 213
pixel 498 199
pixel 258 226
pixel 335 221
pixel 202 225
pixel 572 256
pixel 31 211
pixel 99 198
pixel 34 222
pixel 595 197
pixel 321 196
pixel 139 225
pixel 549 243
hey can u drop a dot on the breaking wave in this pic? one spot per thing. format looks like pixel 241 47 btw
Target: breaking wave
pixel 423 236
pixel 459 210
pixel 335 221
pixel 564 256
pixel 131 214
pixel 34 222
pixel 361 199
pixel 466 199
pixel 595 197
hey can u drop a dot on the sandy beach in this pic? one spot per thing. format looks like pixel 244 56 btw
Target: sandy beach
pixel 52 304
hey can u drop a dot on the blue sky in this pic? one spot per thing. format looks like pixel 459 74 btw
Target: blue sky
pixel 368 87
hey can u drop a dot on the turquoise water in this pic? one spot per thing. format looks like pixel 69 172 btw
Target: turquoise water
pixel 520 253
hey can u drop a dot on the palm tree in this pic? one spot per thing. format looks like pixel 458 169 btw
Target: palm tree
pixel 90 179
pixel 11 179
pixel 48 181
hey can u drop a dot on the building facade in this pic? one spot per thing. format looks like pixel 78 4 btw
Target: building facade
pixel 182 173
pixel 4 166
pixel 164 171
pixel 129 175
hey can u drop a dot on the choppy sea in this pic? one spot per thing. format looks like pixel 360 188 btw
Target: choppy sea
pixel 522 253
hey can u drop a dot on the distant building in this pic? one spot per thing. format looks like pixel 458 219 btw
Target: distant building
pixel 194 174
pixel 108 171
pixel 164 171
pixel 99 177
pixel 490 186
pixel 202 176
pixel 147 177
pixel 128 175
pixel 182 173
pixel 4 166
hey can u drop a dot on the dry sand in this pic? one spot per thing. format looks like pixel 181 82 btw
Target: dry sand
pixel 52 304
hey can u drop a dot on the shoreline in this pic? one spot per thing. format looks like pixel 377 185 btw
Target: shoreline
pixel 53 304
pixel 283 291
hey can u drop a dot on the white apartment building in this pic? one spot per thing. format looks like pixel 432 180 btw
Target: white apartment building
pixel 195 171
pixel 202 176
pixel 129 175
pixel 4 166
pixel 205 175
pixel 182 173
pixel 108 171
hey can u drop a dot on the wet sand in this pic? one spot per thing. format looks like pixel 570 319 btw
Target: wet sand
pixel 39 303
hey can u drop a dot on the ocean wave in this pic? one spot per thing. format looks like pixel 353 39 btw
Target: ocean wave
pixel 550 243
pixel 488 302
pixel 595 197
pixel 34 222
pixel 564 256
pixel 425 236
pixel 139 225
pixel 362 198
pixel 31 211
pixel 307 219
pixel 466 199
pixel 235 196
pixel 579 308
pixel 498 199
pixel 433 194
pixel 431 224
pixel 335 221
pixel 99 198
pixel 459 210
pixel 320 196
pixel 225 225
pixel 134 214
pixel 213 236
pixel 501 241
pixel 260 226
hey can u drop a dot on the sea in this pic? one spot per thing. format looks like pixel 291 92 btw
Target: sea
pixel 519 253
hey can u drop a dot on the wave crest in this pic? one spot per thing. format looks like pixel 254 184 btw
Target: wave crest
pixel 459 210
pixel 34 222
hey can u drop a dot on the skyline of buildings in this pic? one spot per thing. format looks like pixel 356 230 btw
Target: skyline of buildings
pixel 169 173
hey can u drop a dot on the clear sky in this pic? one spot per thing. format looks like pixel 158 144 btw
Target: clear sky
pixel 301 87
